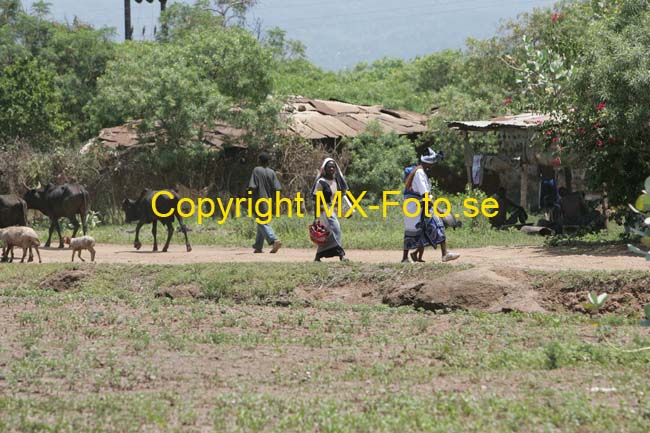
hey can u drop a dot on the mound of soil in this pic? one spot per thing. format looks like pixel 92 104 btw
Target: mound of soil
pixel 489 289
pixel 62 281
pixel 478 288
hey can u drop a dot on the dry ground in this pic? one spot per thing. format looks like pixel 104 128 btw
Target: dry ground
pixel 130 344
pixel 537 258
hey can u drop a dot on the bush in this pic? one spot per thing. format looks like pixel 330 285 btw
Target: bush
pixel 377 162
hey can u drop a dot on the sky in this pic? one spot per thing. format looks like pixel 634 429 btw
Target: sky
pixel 337 33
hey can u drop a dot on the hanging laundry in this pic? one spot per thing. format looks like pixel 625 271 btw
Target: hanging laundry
pixel 477 173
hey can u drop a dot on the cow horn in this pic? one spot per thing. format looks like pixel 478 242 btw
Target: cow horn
pixel 25 185
pixel 39 185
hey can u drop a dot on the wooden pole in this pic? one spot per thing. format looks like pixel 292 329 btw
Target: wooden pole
pixel 523 195
pixel 128 30
pixel 605 206
pixel 467 151
pixel 568 179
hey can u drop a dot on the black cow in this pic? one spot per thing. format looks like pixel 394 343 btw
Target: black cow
pixel 13 211
pixel 55 202
pixel 141 210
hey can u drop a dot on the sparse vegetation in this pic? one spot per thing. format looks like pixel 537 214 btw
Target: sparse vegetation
pixel 108 356
pixel 302 347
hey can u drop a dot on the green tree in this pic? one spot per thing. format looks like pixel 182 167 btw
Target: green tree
pixel 31 104
pixel 9 11
pixel 232 10
pixel 435 71
pixel 282 48
pixel 79 54
pixel 181 19
pixel 377 161
pixel 596 82
pixel 154 83
pixel 179 88
pixel 232 59
pixel 76 52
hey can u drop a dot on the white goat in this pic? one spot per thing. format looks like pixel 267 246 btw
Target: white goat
pixel 81 243
pixel 18 236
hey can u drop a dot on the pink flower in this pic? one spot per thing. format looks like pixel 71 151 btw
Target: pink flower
pixel 556 16
pixel 507 101
pixel 599 143
pixel 557 161
pixel 554 140
pixel 601 106
pixel 549 132
pixel 581 131
pixel 559 149
pixel 596 125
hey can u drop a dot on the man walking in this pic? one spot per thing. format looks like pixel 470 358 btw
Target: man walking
pixel 263 184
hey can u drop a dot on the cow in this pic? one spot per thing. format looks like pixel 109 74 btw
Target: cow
pixel 141 210
pixel 13 211
pixel 56 201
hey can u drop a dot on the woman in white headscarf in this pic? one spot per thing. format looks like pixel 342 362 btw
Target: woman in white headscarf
pixel 420 230
pixel 329 181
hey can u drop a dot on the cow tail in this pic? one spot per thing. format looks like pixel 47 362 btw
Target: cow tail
pixel 86 199
pixel 84 211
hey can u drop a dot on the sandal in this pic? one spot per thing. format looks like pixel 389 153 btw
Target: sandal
pixel 414 257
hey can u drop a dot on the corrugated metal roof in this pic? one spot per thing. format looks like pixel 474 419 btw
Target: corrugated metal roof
pixel 316 118
pixel 522 121
pixel 311 119
pixel 123 136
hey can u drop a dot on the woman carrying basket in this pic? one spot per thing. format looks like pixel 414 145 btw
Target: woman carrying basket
pixel 329 181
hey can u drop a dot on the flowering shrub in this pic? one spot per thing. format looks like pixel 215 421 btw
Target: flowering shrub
pixel 584 69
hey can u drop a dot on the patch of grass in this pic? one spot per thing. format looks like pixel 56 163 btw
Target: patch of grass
pixel 439 412
pixel 610 280
pixel 614 235
pixel 374 232
pixel 110 357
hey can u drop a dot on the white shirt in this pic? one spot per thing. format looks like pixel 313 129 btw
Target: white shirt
pixel 420 186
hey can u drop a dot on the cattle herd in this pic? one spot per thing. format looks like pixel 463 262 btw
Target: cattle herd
pixel 68 201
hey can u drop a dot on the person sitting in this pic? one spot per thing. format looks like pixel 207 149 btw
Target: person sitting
pixel 575 212
pixel 501 219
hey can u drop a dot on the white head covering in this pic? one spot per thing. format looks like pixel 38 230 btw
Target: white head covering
pixel 431 157
pixel 341 183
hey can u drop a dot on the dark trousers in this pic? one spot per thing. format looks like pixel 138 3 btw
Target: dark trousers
pixel 518 215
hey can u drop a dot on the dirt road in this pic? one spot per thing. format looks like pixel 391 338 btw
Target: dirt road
pixel 549 259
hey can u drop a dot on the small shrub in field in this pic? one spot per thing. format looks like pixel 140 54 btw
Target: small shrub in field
pixel 595 302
